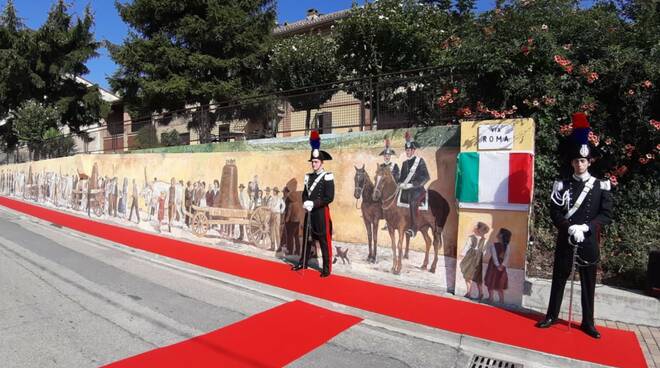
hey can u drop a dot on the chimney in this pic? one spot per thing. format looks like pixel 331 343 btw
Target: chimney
pixel 312 14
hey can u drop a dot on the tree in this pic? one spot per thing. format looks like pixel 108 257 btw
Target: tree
pixel 192 53
pixel 57 144
pixel 42 65
pixel 387 37
pixel 15 71
pixel 62 49
pixel 302 69
pixel 31 122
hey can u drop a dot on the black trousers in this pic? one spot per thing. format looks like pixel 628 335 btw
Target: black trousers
pixel 134 206
pixel 560 274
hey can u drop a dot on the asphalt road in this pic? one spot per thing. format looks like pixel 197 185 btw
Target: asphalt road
pixel 71 300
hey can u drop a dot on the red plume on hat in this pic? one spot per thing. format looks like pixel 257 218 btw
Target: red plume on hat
pixel 315 139
pixel 315 143
pixel 410 142
pixel 578 145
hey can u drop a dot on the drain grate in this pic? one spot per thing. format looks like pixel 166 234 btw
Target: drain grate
pixel 479 361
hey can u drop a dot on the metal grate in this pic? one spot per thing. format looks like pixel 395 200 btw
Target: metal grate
pixel 479 361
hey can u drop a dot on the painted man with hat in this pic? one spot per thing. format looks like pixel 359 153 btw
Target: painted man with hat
pixel 414 175
pixel 318 193
pixel 580 205
pixel 387 157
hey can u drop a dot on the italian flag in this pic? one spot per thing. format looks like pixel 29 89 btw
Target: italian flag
pixel 494 177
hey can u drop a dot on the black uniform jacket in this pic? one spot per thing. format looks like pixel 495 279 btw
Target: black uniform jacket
pixel 322 194
pixel 419 178
pixel 595 211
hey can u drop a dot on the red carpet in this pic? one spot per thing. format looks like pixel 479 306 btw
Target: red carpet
pixel 269 339
pixel 615 348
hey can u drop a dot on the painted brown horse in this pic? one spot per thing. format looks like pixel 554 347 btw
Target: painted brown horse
pixel 372 210
pixel 386 191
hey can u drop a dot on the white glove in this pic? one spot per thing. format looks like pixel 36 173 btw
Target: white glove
pixel 572 229
pixel 308 205
pixel 405 186
pixel 584 228
pixel 578 236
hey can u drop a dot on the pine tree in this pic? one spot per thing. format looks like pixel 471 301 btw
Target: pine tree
pixel 192 53
pixel 42 65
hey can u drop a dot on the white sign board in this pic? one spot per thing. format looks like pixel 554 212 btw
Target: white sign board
pixel 498 136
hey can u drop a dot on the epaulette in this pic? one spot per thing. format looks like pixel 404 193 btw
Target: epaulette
pixel 306 178
pixel 328 176
pixel 557 186
pixel 605 184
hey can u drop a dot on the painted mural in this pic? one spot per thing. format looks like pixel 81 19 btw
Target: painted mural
pixel 251 201
pixel 247 197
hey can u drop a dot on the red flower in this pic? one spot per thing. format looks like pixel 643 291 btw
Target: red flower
pixel 621 171
pixel 643 160
pixel 594 139
pixel 592 77
pixel 614 180
pixel 647 84
pixel 464 111
pixel 454 90
pixel 566 130
pixel 631 92
pixel 608 141
pixel 655 124
pixel 525 50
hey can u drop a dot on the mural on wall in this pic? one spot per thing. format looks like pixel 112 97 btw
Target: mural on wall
pixel 494 186
pixel 251 201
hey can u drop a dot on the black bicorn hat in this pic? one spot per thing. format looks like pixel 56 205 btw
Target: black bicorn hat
pixel 410 142
pixel 577 145
pixel 315 143
pixel 388 150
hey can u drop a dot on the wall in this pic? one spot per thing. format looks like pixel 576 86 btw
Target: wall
pixel 282 163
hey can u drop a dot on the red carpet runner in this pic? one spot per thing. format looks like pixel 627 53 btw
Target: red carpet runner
pixel 615 348
pixel 269 339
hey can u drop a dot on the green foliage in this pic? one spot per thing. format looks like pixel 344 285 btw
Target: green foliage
pixel 31 122
pixel 42 64
pixel 303 67
pixel 57 144
pixel 543 59
pixel 170 138
pixel 183 53
pixel 147 137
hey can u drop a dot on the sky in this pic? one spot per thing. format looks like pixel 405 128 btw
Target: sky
pixel 109 26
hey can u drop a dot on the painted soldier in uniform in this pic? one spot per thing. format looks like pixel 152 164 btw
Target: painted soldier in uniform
pixel 318 193
pixel 581 205
pixel 414 175
pixel 387 157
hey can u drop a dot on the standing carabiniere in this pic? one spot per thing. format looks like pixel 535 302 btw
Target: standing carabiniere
pixel 580 205
pixel 318 193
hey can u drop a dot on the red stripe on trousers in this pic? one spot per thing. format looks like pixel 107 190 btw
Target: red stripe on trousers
pixel 520 178
pixel 328 237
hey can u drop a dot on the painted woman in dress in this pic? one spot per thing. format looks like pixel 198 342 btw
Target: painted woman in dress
pixel 496 279
pixel 472 262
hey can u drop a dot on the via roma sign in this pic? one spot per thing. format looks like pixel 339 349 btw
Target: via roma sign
pixel 495 137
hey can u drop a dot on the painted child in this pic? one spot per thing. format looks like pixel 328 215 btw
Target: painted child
pixel 472 262
pixel 496 279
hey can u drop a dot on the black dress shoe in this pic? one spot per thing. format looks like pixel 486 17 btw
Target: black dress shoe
pixel 591 331
pixel 546 323
pixel 297 267
pixel 325 273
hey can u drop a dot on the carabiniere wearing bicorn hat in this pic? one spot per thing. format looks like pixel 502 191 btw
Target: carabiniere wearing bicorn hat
pixel 318 193
pixel 580 206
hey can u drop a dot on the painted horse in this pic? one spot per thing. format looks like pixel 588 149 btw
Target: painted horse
pixel 372 210
pixel 386 191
